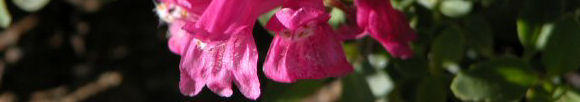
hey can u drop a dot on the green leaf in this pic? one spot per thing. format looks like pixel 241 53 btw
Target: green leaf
pixel 455 8
pixel 5 18
pixel 448 47
pixel 429 4
pixel 569 96
pixel 356 89
pixel 281 92
pixel 538 94
pixel 533 17
pixel 432 89
pixel 562 50
pixel 479 35
pixel 264 18
pixel 351 50
pixel 504 79
pixel 30 5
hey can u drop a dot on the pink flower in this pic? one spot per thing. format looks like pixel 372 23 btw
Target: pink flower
pixel 217 47
pixel 387 25
pixel 178 13
pixel 305 47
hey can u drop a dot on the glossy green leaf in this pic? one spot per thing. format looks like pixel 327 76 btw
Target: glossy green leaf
pixel 30 5
pixel 479 35
pixel 562 50
pixel 505 79
pixel 448 47
pixel 356 89
pixel 455 8
pixel 5 17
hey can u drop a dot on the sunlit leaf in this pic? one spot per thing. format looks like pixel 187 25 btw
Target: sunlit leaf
pixel 561 53
pixel 504 79
pixel 570 95
pixel 455 8
pixel 30 5
pixel 429 4
pixel 5 17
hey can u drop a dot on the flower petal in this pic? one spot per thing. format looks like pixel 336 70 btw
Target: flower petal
pixel 315 57
pixel 242 57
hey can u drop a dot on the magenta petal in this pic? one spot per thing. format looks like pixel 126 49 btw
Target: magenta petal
pixel 220 82
pixel 386 25
pixel 318 56
pixel 188 86
pixel 293 19
pixel 242 57
pixel 179 38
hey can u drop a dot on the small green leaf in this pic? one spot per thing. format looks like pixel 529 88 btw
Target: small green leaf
pixel 504 79
pixel 30 5
pixel 538 94
pixel 562 50
pixel 264 18
pixel 455 8
pixel 448 47
pixel 5 18
pixel 429 4
pixel 337 17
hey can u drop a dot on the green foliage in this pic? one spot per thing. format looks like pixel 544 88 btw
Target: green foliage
pixel 356 89
pixel 281 92
pixel 504 79
pixel 562 52
pixel 479 35
pixel 448 47
pixel 432 89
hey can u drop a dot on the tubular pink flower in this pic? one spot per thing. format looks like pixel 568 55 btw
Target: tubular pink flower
pixel 305 47
pixel 387 25
pixel 217 48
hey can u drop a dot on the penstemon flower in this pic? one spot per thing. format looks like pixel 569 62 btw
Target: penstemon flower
pixel 305 47
pixel 387 25
pixel 217 47
pixel 214 39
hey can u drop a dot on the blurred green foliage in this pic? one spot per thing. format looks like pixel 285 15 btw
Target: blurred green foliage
pixel 477 50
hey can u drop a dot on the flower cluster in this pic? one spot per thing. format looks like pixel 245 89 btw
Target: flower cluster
pixel 214 39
